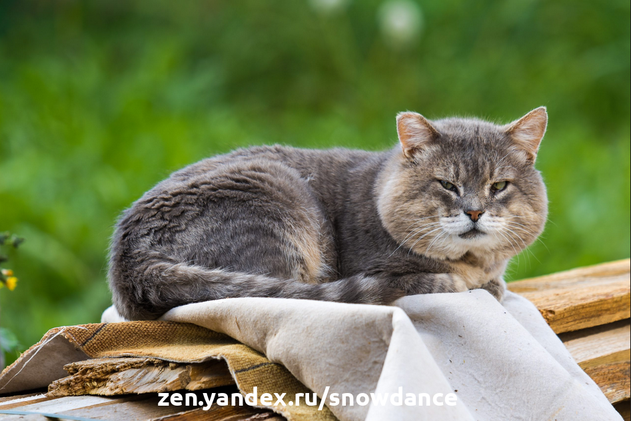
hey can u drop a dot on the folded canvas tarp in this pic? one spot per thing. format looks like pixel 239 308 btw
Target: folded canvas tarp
pixel 475 359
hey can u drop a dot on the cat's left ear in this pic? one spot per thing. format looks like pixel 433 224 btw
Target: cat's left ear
pixel 415 132
pixel 528 131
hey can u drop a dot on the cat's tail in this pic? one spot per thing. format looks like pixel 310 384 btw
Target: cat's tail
pixel 149 291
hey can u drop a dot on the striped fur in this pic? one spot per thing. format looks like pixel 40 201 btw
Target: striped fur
pixel 335 225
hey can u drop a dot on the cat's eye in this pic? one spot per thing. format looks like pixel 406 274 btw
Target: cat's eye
pixel 449 186
pixel 499 186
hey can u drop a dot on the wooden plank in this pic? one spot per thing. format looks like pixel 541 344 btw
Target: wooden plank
pixel 604 353
pixel 619 267
pixel 145 407
pixel 16 401
pixel 24 396
pixel 29 417
pixel 224 413
pixel 130 408
pixel 64 404
pixel 117 376
pixel 580 298
pixel 613 380
pixel 600 345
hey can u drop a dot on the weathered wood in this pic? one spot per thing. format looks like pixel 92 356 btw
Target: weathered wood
pixel 33 395
pixel 587 307
pixel 224 413
pixel 613 380
pixel 64 404
pixel 117 376
pixel 580 298
pixel 599 345
pixel 29 417
pixel 131 408
pixel 604 353
pixel 145 407
pixel 13 402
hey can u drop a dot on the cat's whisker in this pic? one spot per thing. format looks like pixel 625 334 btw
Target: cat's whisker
pixel 419 224
pixel 517 227
pixel 544 244
pixel 522 228
pixel 442 234
pixel 419 221
pixel 525 244
pixel 516 236
pixel 506 237
pixel 413 233
pixel 444 240
pixel 415 227
pixel 530 253
pixel 516 223
pixel 423 236
pixel 419 230
pixel 496 233
pixel 529 233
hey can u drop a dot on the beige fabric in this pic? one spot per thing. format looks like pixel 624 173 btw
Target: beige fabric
pixel 502 361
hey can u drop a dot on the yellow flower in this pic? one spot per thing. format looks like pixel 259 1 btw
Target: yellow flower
pixel 7 272
pixel 12 282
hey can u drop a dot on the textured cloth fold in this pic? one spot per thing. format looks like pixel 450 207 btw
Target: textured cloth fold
pixel 500 361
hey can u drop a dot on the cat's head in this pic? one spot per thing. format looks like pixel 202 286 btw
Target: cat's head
pixel 464 185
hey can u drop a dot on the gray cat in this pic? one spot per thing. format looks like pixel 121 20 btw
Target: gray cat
pixel 444 211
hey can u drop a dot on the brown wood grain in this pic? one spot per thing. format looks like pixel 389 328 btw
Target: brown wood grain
pixel 613 380
pixel 580 298
pixel 603 352
pixel 117 376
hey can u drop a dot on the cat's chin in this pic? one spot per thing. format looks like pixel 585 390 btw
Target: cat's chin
pixel 472 241
pixel 472 234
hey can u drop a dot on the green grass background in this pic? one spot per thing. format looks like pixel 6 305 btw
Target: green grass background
pixel 100 100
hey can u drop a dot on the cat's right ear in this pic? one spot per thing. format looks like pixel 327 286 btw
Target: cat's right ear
pixel 528 131
pixel 415 133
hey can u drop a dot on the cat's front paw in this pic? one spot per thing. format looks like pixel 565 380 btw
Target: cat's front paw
pixel 497 288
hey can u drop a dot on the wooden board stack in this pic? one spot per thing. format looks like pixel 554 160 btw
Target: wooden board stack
pixel 589 309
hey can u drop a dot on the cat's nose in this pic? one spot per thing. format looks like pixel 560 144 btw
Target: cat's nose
pixel 474 214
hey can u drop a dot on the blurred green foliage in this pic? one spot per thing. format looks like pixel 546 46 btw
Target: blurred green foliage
pixel 100 100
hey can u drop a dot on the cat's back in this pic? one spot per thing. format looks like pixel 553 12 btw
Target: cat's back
pixel 328 175
pixel 308 162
